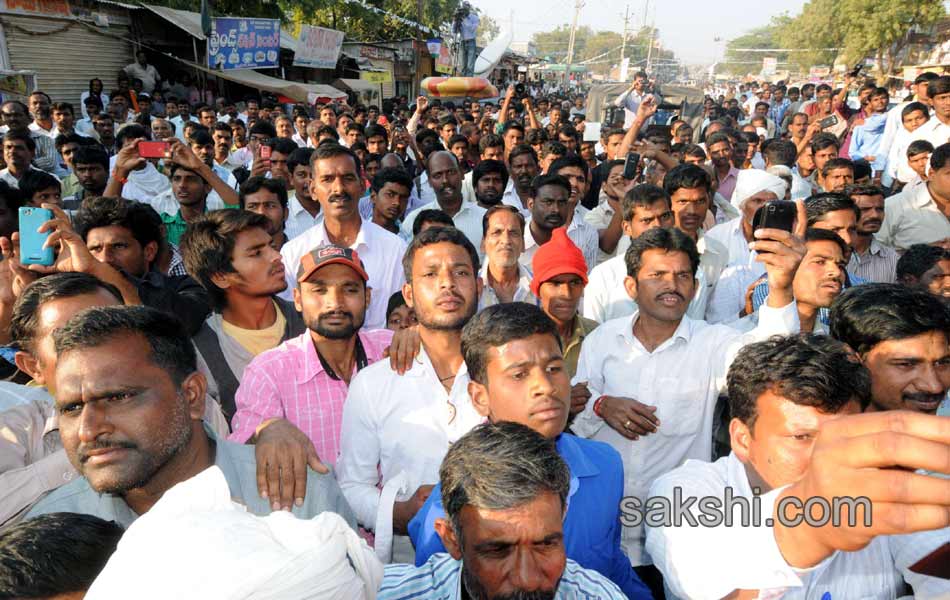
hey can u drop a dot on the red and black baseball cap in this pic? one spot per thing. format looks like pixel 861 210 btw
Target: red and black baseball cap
pixel 329 255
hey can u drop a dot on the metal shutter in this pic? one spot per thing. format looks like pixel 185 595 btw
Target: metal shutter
pixel 65 61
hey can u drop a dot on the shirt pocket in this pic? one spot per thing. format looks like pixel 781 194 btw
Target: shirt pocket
pixel 682 406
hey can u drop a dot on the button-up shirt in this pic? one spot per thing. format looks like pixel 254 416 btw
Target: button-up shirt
pixel 468 220
pixel 912 217
pixel 727 184
pixel 682 378
pixel 579 231
pixel 522 292
pixel 934 131
pixel 290 382
pixel 592 522
pixel 749 557
pixel 380 251
pixel 440 579
pixel 879 265
pixel 298 219
pixel 239 466
pixel 396 431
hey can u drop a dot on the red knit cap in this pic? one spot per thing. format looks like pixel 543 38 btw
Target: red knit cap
pixel 557 257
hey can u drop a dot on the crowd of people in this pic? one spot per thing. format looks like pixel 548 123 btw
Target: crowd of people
pixel 453 349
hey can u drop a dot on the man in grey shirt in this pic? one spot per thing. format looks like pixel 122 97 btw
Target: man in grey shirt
pixel 130 399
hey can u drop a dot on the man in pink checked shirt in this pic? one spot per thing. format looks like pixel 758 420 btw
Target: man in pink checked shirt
pixel 305 379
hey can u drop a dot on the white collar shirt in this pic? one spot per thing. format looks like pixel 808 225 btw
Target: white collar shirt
pixel 682 378
pixel 912 217
pixel 749 557
pixel 730 235
pixel 395 432
pixel 380 251
pixel 579 231
pixel 468 220
pixel 934 131
pixel 424 188
pixel 298 219
pixel 300 140
pixel 522 292
pixel 511 198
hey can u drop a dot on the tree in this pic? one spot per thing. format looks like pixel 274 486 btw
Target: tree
pixel 740 62
pixel 487 30
pixel 882 31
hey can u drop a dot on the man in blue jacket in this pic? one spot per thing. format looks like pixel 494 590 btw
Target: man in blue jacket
pixel 516 365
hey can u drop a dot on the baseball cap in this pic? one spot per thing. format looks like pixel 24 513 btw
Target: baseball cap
pixel 329 255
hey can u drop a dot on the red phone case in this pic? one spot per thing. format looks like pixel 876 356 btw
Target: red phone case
pixel 153 149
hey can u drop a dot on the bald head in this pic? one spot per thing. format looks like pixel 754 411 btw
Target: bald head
pixel 441 160
pixel 391 161
pixel 445 177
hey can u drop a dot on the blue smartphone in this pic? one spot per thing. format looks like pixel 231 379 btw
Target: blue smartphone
pixel 32 251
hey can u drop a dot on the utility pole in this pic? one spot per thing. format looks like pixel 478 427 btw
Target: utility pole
pixel 650 48
pixel 623 43
pixel 578 5
pixel 646 10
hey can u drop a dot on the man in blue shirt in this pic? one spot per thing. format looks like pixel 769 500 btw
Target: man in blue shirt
pixel 514 358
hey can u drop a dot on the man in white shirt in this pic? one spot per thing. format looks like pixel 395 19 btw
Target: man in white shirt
pixel 337 185
pixel 577 172
pixel 919 214
pixel 303 211
pixel 644 207
pixel 144 72
pixel 783 416
pixel 657 375
pixel 937 129
pixel 397 428
pixel 630 100
pixel 551 208
pixel 446 179
pixel 504 279
pixel 523 167
pixel 753 189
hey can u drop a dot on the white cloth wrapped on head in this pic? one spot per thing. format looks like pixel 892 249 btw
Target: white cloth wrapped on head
pixel 752 181
pixel 198 543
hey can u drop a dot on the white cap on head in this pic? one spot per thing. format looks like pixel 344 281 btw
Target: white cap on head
pixel 752 181
pixel 197 542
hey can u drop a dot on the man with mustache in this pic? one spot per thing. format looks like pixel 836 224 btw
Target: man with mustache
pixel 445 177
pixel 397 428
pixel 523 166
pixel 551 207
pixel 504 279
pixel 336 182
pixel 129 399
pixel 517 366
pixel 927 268
pixel 901 335
pixel 490 178
pixel 871 260
pixel 655 376
pixel 304 380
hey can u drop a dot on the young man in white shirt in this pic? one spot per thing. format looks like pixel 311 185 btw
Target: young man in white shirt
pixel 397 428
pixel 336 183
pixel 795 435
pixel 655 377
pixel 918 215
pixel 551 207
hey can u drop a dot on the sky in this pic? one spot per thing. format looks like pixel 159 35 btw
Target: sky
pixel 688 27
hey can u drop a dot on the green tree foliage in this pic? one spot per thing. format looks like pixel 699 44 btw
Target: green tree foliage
pixel 488 30
pixel 741 62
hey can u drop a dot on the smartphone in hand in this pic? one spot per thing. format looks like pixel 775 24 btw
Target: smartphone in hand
pixel 777 214
pixel 32 251
pixel 153 149
pixel 265 152
pixel 630 166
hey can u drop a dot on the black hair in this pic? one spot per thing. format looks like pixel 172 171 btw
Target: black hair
pixel 535 136
pixel 570 160
pixel 431 215
pixel 686 176
pixel 860 169
pixel 26 309
pixel 938 86
pixel 865 315
pixel 485 167
pixel 919 147
pixel 139 218
pixel 255 184
pixel 918 259
pixel 497 325
pixel 436 235
pixel 262 128
pixel 717 138
pixel 171 348
pixel 642 195
pixel 207 247
pixel 658 238
pixel 808 369
pixel 549 179
pixel 818 205
pixel 34 181
pixel 390 175
pixel 202 137
pixel 395 301
pixel 915 107
pixel 333 150
pixel 863 189
pixel 457 138
pixel 940 157
pixel 19 136
pixel 300 156
pixel 814 234
pixel 55 554
pixel 282 145
pixel 823 141
pixel 512 125
pixel 836 163
pixel 91 155
pixel 522 150
pixel 553 147
pixel 11 197
pixel 781 152
pixel 376 130
pixel 694 150
pixel 491 140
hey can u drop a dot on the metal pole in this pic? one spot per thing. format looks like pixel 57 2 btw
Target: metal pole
pixel 623 44
pixel 578 5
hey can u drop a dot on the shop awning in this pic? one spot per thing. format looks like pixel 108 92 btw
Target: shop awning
pixel 295 90
pixel 190 22
pixel 358 85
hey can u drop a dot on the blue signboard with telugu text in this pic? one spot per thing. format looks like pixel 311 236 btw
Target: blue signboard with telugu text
pixel 244 43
